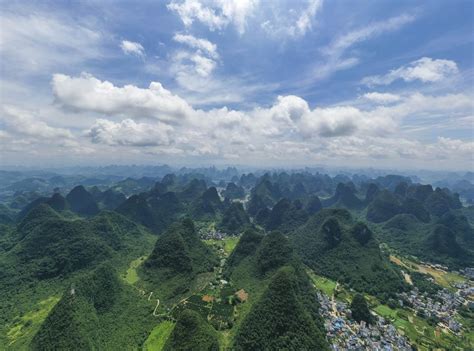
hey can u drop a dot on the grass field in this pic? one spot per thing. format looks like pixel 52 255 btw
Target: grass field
pixel 27 325
pixel 131 276
pixel 326 285
pixel 158 336
pixel 230 243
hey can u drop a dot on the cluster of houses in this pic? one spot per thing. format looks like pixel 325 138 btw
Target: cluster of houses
pixel 468 272
pixel 347 334
pixel 207 234
pixel 443 306
pixel 465 290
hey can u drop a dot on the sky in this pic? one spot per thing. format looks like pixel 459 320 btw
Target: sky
pixel 365 83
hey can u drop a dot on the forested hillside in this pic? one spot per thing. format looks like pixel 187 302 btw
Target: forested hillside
pixel 269 262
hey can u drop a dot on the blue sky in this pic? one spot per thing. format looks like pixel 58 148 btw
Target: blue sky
pixel 269 83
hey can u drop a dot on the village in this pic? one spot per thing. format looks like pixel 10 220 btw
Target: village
pixel 436 312
pixel 442 307
pixel 346 334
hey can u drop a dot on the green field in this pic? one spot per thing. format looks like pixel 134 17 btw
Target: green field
pixel 158 336
pixel 27 325
pixel 131 276
pixel 324 284
pixel 230 243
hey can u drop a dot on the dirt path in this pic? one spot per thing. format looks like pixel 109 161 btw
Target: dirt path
pixel 156 307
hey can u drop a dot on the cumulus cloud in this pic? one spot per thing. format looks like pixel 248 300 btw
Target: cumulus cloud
pixel 132 48
pixel 287 128
pixel 216 14
pixel 88 93
pixel 197 43
pixel 331 122
pixel 426 70
pixel 130 133
pixel 381 98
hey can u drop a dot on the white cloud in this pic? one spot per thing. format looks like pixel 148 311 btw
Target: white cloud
pixel 449 146
pixel 197 43
pixel 130 133
pixel 304 21
pixel 25 123
pixel 289 129
pixel 426 70
pixel 132 48
pixel 375 29
pixel 331 122
pixel 193 69
pixel 335 52
pixel 216 14
pixel 291 22
pixel 34 42
pixel 88 93
pixel 381 98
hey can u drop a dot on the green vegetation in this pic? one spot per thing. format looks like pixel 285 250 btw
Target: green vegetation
pixel 233 191
pixel 158 336
pixel 58 262
pixel 246 247
pixel 95 312
pixel 52 246
pixel 274 252
pixel 285 216
pixel 333 244
pixel 192 332
pixel 445 241
pixel 27 325
pixel 235 220
pixel 324 284
pixel 82 202
pixel 131 276
pixel 280 319
pixel 178 257
pixel 230 243
pixel 207 205
pixel 384 206
pixel 344 197
pixel 360 310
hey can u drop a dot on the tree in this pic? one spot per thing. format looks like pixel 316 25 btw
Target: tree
pixel 360 310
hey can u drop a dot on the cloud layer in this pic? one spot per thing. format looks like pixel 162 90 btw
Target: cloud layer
pixel 287 128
